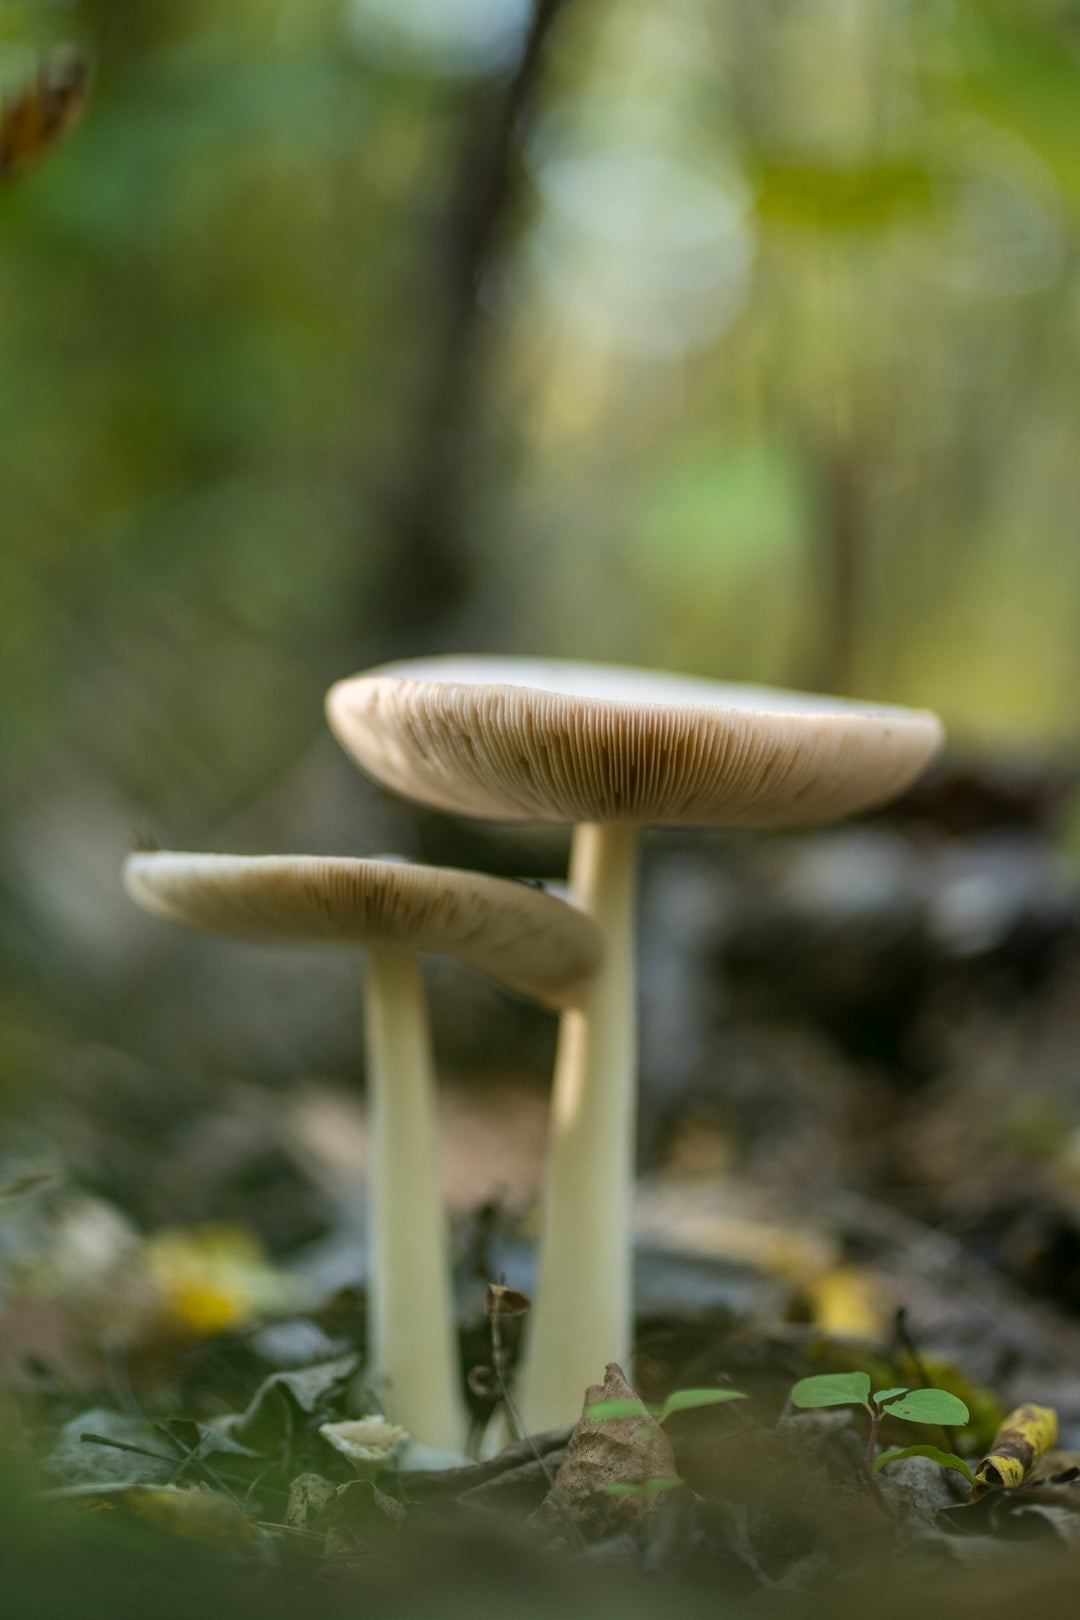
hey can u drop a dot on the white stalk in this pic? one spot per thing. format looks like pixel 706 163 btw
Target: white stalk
pixel 412 1343
pixel 582 1316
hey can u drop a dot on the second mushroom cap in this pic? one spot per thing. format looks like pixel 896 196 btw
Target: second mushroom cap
pixel 519 935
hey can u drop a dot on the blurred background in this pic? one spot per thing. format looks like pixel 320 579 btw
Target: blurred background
pixel 734 336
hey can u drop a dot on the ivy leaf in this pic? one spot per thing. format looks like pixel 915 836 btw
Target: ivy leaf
pixel 603 1411
pixel 947 1459
pixel 833 1389
pixel 929 1406
pixel 684 1400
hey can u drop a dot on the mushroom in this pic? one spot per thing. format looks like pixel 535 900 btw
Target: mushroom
pixel 611 750
pixel 519 935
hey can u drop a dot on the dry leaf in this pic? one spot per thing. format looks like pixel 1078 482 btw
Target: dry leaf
pixel 194 1514
pixel 501 1301
pixel 630 1453
pixel 1023 1438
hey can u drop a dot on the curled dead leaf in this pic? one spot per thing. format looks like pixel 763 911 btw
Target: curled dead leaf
pixel 1023 1438
pixel 630 1450
pixel 501 1301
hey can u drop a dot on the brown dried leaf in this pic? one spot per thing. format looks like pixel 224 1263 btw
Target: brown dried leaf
pixel 501 1301
pixel 626 1451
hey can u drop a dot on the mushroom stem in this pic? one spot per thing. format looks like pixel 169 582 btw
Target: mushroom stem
pixel 412 1344
pixel 583 1316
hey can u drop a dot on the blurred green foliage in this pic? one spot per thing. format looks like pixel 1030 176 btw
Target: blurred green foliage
pixel 732 335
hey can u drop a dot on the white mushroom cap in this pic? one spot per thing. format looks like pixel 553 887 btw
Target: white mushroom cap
pixel 517 934
pixel 529 740
pixel 368 1442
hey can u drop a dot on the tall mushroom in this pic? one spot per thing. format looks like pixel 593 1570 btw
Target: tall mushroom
pixel 524 938
pixel 610 750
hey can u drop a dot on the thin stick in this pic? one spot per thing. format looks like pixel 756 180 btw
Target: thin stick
pixel 193 1456
pixel 90 1439
pixel 520 1431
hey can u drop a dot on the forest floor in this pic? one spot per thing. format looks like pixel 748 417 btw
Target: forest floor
pixel 884 1190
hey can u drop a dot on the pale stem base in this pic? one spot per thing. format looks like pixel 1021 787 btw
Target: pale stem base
pixel 412 1343
pixel 582 1315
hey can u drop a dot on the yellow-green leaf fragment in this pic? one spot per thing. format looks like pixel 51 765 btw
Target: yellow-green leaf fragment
pixel 657 1486
pixel 603 1411
pixel 1024 1436
pixel 195 1515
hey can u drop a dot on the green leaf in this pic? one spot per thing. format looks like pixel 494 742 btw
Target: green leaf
pixel 882 1397
pixel 602 1411
pixel 929 1406
pixel 833 1389
pixel 947 1459
pixel 684 1400
pixel 648 1487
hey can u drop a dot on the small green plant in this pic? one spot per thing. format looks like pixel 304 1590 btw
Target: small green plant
pixel 681 1400
pixel 912 1405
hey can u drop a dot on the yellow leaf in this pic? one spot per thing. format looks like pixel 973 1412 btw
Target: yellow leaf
pixel 847 1303
pixel 1024 1436
pixel 212 1278
pixel 196 1515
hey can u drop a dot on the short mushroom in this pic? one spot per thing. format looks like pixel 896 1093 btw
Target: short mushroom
pixel 611 750
pixel 524 938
